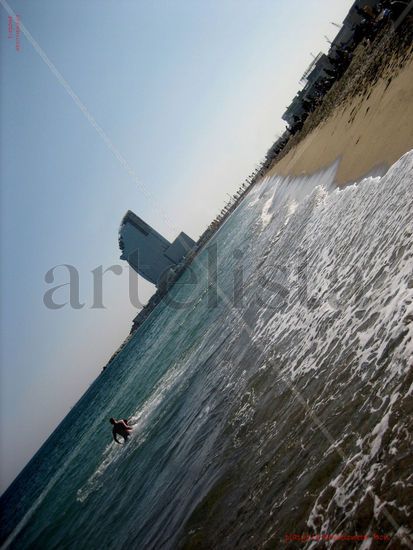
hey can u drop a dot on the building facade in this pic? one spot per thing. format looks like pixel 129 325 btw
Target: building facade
pixel 319 67
pixel 147 251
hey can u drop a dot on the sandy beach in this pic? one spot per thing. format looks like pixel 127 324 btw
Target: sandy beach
pixel 367 130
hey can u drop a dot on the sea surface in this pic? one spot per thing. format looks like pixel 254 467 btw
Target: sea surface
pixel 271 396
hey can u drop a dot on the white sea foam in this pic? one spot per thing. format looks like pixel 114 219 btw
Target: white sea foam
pixel 334 320
pixel 139 420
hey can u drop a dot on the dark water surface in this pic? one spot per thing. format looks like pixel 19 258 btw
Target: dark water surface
pixel 279 403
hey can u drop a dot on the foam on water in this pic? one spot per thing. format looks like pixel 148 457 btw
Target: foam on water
pixel 139 420
pixel 283 407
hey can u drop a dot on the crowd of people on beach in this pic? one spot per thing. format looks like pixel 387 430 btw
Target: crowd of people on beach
pixel 373 20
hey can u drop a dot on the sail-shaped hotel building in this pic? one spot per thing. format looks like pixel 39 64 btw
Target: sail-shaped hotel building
pixel 148 252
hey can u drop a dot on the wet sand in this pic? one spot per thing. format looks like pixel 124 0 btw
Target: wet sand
pixel 367 132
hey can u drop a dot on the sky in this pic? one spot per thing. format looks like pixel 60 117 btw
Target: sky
pixel 159 107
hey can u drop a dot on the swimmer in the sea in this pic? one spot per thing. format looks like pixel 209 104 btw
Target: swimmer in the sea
pixel 120 427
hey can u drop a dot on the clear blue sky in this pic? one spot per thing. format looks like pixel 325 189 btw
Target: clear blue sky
pixel 191 93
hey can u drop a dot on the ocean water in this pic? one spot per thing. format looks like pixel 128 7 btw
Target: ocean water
pixel 271 396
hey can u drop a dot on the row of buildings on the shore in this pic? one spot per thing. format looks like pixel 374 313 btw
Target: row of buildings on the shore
pixel 365 19
pixel 160 262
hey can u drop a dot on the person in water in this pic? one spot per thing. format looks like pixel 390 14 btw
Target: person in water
pixel 120 427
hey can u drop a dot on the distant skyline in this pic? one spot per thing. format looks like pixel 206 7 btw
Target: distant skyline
pixel 191 95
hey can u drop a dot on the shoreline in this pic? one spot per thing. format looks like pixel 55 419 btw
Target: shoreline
pixel 365 122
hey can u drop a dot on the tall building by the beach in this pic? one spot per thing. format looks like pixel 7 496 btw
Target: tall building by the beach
pixel 148 252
